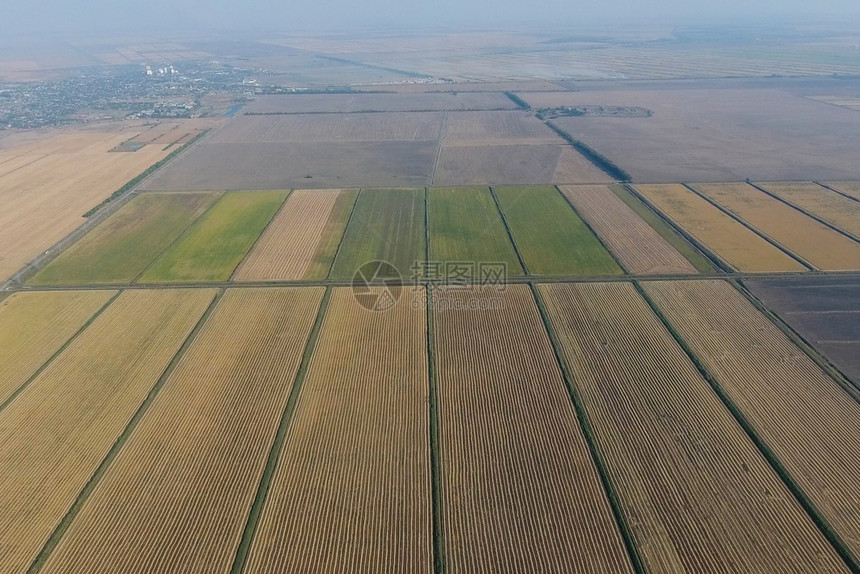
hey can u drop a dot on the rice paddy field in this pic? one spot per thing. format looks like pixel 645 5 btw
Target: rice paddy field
pixel 837 210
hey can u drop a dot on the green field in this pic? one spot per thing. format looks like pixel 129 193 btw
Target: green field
pixel 465 226
pixel 387 225
pixel 218 242
pixel 332 235
pixel 550 236
pixel 690 253
pixel 121 247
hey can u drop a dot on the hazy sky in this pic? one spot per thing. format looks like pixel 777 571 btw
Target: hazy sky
pixel 271 15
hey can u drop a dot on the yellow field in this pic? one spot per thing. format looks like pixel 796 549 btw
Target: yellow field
pixel 287 249
pixel 520 492
pixel 728 239
pixel 637 246
pixel 833 208
pixel 814 242
pixel 808 421
pixel 673 450
pixel 352 488
pixel 851 188
pixel 33 326
pixel 55 434
pixel 49 178
pixel 178 495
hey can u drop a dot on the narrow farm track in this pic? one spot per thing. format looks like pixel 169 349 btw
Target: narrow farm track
pixel 800 413
pixel 177 496
pixel 637 246
pixel 520 492
pixel 352 489
pixel 55 433
pixel 698 494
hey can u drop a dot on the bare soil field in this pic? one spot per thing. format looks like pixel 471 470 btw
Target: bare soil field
pixel 824 310
pixel 814 242
pixel 340 103
pixel 352 490
pixel 809 422
pixel 497 128
pixel 380 127
pixel 520 492
pixel 640 249
pixel 821 202
pixel 672 448
pixel 514 164
pixel 463 87
pixel 716 134
pixel 56 433
pixel 309 165
pixel 728 239
pixel 848 188
pixel 178 495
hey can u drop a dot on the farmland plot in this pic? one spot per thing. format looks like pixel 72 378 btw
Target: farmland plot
pixel 814 242
pixel 318 103
pixel 122 246
pixel 178 495
pixel 848 188
pixel 806 419
pixel 218 241
pixel 639 248
pixel 735 244
pixel 387 225
pixel 833 208
pixel 551 238
pixel 302 239
pixel 54 435
pixel 465 227
pixel 520 492
pixel 33 326
pixel 673 449
pixel 497 128
pixel 352 487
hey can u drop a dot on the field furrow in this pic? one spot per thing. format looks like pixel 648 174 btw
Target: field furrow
pixel 519 489
pixel 805 418
pixel 728 239
pixel 833 208
pixel 54 435
pixel 814 242
pixel 352 489
pixel 640 249
pixel 177 497
pixel 698 495
pixel 33 326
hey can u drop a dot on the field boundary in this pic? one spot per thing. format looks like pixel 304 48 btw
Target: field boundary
pixel 752 228
pixel 585 426
pixel 602 162
pixel 59 351
pixel 256 511
pixel 263 232
pixel 809 214
pixel 834 190
pixel 443 129
pixel 435 457
pixel 104 466
pixel 343 235
pixel 819 521
pixel 508 230
pixel 618 262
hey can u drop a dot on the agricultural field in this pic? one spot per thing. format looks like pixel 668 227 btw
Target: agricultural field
pixel 44 192
pixel 212 248
pixel 728 239
pixel 497 128
pixel 815 243
pixel 821 202
pixel 177 496
pixel 714 132
pixel 53 440
pixel 33 326
pixel 352 490
pixel 514 164
pixel 809 422
pixel 549 235
pixel 639 248
pixel 851 189
pixel 519 490
pixel 346 103
pixel 120 248
pixel 465 226
pixel 824 310
pixel 387 225
pixel 302 239
pixel 672 449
